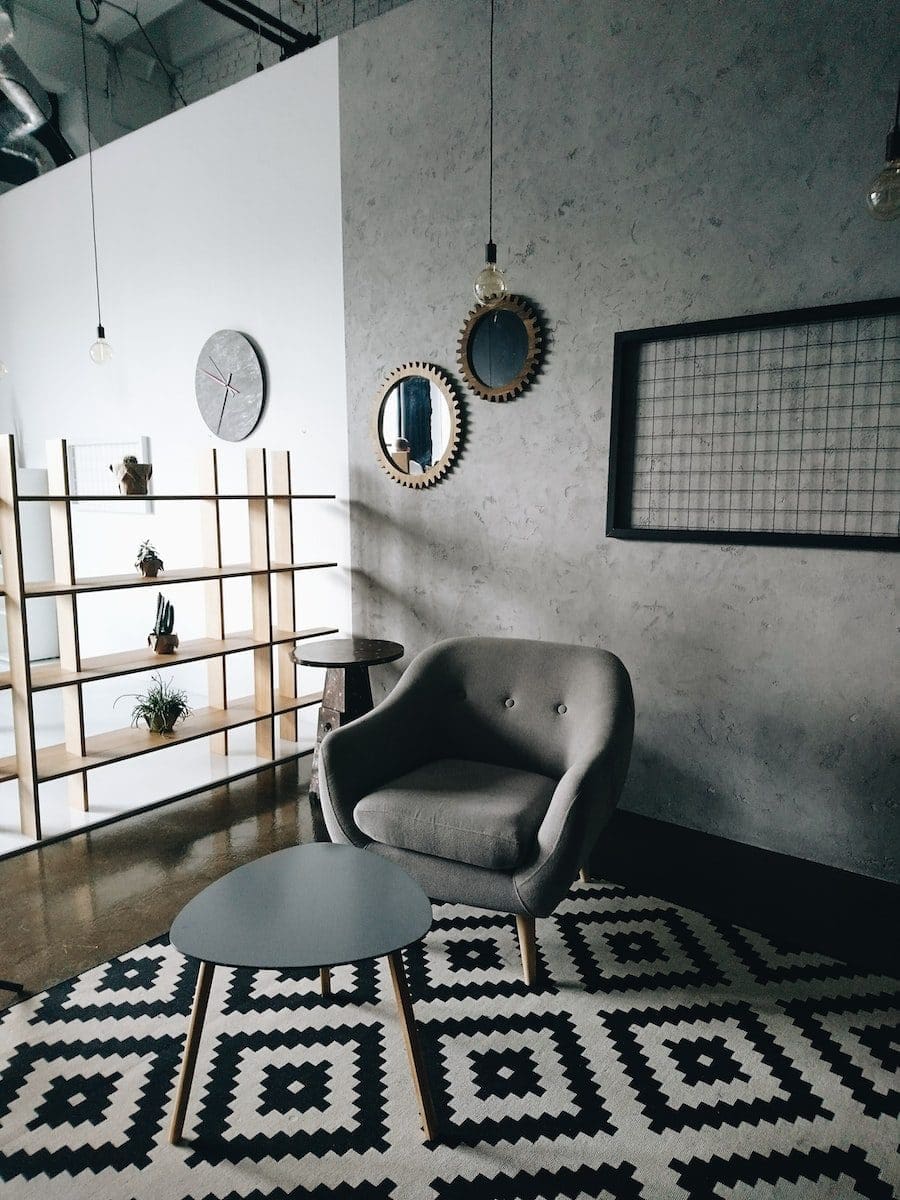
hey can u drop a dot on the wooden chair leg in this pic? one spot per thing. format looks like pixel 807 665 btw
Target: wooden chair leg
pixel 584 875
pixel 325 980
pixel 413 1048
pixel 525 928
pixel 191 1046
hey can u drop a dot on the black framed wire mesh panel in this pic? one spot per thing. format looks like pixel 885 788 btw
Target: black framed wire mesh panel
pixel 776 428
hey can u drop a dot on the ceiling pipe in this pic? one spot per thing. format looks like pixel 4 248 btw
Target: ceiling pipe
pixel 251 17
pixel 30 138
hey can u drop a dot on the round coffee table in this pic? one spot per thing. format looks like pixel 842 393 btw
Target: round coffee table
pixel 318 905
pixel 347 693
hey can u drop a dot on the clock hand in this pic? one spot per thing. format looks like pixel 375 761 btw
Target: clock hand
pixel 224 402
pixel 229 386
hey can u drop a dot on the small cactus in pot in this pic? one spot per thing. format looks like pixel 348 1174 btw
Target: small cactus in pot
pixel 148 561
pixel 162 639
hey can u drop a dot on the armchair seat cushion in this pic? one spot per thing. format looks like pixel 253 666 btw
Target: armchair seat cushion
pixel 470 812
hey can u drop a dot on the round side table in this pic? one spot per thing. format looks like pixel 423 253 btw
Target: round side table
pixel 347 693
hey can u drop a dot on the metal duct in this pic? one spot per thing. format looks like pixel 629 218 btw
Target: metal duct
pixel 30 140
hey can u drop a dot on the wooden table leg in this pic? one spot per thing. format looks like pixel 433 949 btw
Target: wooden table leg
pixel 325 980
pixel 413 1047
pixel 525 929
pixel 191 1046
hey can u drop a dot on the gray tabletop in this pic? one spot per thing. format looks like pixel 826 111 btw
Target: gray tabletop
pixel 318 905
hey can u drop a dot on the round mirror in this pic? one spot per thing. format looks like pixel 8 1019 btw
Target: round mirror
pixel 499 348
pixel 416 425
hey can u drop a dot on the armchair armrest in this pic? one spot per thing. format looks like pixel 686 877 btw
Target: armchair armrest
pixel 580 807
pixel 395 737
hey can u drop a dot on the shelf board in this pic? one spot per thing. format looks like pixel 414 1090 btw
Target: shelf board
pixel 106 583
pixel 128 662
pixel 56 762
pixel 193 496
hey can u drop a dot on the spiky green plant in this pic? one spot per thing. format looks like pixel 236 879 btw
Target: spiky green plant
pixel 161 707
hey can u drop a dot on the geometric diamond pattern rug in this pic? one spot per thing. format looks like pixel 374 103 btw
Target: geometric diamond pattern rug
pixel 662 1055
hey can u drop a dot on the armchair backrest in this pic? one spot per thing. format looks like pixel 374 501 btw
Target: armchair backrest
pixel 538 706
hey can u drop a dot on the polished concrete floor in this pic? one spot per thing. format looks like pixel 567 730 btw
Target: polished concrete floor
pixel 73 904
pixel 69 905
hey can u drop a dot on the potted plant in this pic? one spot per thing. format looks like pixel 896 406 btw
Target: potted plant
pixel 161 706
pixel 162 639
pixel 148 561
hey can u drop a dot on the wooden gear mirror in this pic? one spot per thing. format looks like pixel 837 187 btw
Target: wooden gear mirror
pixel 416 425
pixel 499 348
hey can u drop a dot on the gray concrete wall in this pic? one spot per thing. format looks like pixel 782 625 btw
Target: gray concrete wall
pixel 656 163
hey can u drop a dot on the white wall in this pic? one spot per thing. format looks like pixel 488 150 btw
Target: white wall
pixel 226 214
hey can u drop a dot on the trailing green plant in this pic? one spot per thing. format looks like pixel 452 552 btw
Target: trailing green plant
pixel 161 707
pixel 147 552
pixel 165 616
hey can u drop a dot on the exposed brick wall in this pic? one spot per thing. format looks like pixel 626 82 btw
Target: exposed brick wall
pixel 237 58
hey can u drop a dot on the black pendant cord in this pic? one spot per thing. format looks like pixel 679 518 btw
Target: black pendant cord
pixel 87 110
pixel 491 133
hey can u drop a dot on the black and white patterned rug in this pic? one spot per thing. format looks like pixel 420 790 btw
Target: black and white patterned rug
pixel 662 1055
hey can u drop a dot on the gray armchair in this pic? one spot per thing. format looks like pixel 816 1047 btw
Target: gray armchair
pixel 488 773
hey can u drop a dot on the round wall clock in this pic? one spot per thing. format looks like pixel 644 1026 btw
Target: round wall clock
pixel 229 385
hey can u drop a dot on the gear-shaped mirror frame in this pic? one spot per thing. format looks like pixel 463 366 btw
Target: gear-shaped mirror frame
pixel 508 391
pixel 418 370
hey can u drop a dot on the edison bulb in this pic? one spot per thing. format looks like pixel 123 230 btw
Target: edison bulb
pixel 101 351
pixel 490 283
pixel 883 194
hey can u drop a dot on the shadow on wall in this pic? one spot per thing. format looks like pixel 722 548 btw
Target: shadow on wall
pixel 467 578
pixel 657 786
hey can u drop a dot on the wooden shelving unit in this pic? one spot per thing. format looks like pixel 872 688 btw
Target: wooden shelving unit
pixel 272 571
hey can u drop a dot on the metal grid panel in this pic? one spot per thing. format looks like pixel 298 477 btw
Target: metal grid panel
pixel 789 429
pixel 90 475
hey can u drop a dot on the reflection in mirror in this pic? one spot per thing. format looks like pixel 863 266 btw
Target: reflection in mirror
pixel 415 424
pixel 498 347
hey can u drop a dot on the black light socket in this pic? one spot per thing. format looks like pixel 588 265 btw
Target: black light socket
pixel 490 253
pixel 101 332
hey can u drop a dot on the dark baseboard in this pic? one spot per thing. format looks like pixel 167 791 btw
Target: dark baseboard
pixel 790 900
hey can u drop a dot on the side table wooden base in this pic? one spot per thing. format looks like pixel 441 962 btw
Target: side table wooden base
pixel 347 694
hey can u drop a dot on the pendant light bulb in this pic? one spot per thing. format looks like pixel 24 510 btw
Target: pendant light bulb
pixel 101 351
pixel 490 282
pixel 883 193
pixel 4 369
